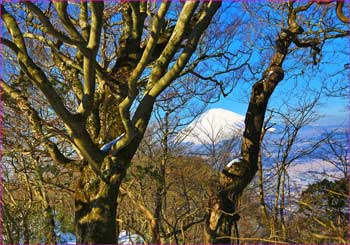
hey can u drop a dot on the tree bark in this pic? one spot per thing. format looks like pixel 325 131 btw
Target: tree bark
pixel 95 206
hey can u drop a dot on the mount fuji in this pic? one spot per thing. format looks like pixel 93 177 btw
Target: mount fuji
pixel 218 126
pixel 214 125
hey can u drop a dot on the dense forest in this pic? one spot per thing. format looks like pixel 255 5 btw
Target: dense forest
pixel 108 136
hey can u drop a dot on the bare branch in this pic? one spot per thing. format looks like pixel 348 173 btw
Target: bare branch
pixel 36 123
pixel 340 13
pixel 191 45
pixel 47 24
pixel 89 62
pixel 61 7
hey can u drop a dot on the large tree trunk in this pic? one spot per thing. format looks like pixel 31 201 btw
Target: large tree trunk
pixel 233 179
pixel 222 215
pixel 95 207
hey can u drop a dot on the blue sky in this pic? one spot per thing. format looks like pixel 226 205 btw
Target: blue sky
pixel 334 110
pixel 303 81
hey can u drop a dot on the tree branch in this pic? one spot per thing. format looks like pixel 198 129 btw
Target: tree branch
pixel 89 62
pixel 61 7
pixel 190 47
pixel 143 111
pixel 171 47
pixel 75 126
pixel 135 75
pixel 47 24
pixel 36 123
pixel 38 76
pixel 340 13
pixel 83 20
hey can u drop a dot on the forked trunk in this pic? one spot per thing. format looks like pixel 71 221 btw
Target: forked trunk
pixel 219 225
pixel 221 221
pixel 95 208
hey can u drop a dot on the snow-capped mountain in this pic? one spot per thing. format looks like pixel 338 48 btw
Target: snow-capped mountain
pixel 213 126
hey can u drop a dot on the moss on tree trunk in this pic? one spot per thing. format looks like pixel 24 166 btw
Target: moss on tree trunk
pixel 95 208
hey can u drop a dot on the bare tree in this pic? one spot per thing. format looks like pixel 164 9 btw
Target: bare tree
pixel 222 215
pixel 336 150
pixel 29 182
pixel 158 165
pixel 97 64
pixel 290 148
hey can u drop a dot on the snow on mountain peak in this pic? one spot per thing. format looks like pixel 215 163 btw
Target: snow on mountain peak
pixel 213 126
